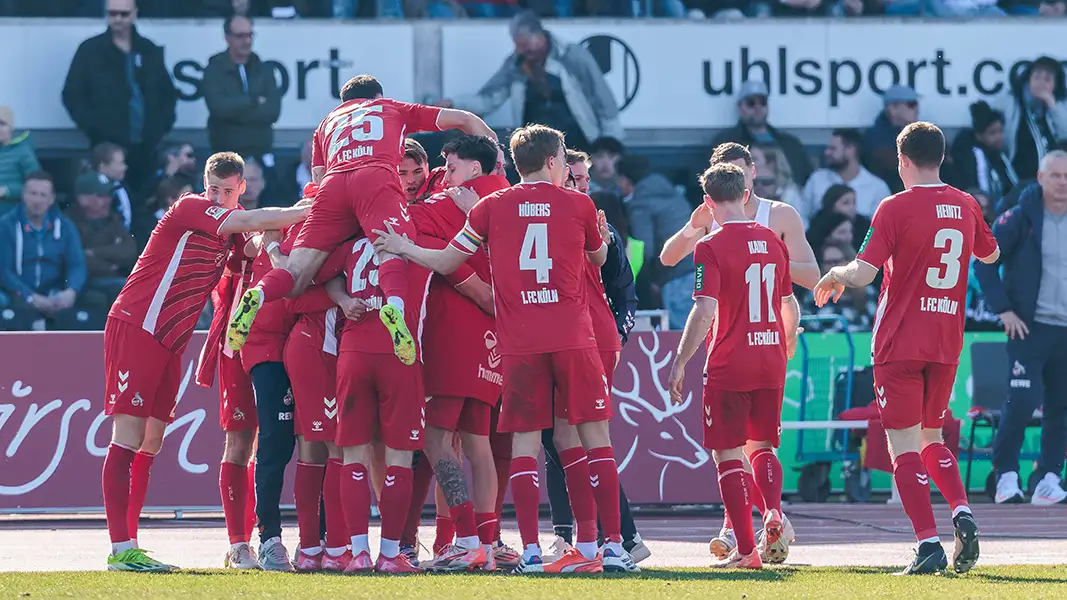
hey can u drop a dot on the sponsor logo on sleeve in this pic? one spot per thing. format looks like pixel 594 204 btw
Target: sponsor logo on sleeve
pixel 698 281
pixel 215 212
pixel 866 238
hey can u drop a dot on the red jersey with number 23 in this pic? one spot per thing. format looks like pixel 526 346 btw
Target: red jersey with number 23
pixel 537 235
pixel 369 132
pixel 744 266
pixel 925 238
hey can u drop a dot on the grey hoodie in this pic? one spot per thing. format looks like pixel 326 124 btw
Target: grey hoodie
pixel 657 211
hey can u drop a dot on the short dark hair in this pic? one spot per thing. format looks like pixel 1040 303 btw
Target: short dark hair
pixel 227 24
pixel 723 182
pixel 576 156
pixel 414 150
pixel 729 152
pixel 169 187
pixel 834 193
pixel 923 143
pixel 850 136
pixel 225 164
pixel 361 87
pixel 473 147
pixel 635 168
pixel 607 144
pixel 171 149
pixel 102 153
pixel 532 146
pixel 40 176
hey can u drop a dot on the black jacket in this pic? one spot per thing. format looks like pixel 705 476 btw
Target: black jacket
pixel 980 167
pixel 1018 233
pixel 619 285
pixel 240 122
pixel 794 151
pixel 97 92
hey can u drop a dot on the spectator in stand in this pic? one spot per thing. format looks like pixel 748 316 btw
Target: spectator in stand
pixel 119 90
pixel 843 167
pixel 110 249
pixel 831 228
pixel 394 9
pixel 17 160
pixel 605 153
pixel 254 185
pixel 1035 115
pixel 840 199
pixel 657 210
pixel 752 129
pixel 880 140
pixel 168 192
pixel 979 154
pixel 1031 300
pixel 110 160
pixel 857 305
pixel 550 82
pixel 43 267
pixel 774 178
pixel 175 159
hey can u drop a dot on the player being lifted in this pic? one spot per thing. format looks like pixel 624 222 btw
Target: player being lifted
pixel 355 154
pixel 539 236
pixel 743 285
pixel 924 237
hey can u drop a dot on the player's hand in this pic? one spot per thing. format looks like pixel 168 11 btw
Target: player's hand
pixel 390 241
pixel 675 381
pixel 602 225
pixel 44 304
pixel 304 203
pixel 354 308
pixel 701 217
pixel 828 288
pixel 464 198
pixel 791 342
pixel 269 237
pixel 1047 98
pixel 1014 326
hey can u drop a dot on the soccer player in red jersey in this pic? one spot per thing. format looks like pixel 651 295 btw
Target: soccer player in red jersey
pixel 414 169
pixel 743 284
pixel 924 237
pixel 356 151
pixel 539 237
pixel 153 318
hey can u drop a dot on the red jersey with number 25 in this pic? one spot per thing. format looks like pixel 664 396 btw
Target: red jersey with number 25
pixel 537 235
pixel 745 267
pixel 369 132
pixel 924 237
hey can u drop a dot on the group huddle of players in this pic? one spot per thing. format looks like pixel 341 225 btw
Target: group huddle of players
pixel 492 326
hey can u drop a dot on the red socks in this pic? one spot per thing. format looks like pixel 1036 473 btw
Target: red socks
pixel 115 481
pixel 767 475
pixel 942 467
pixel 395 501
pixel 139 473
pixel 737 498
pixel 336 530
pixel 487 525
pixel 355 496
pixel 444 533
pixel 307 487
pixel 233 488
pixel 604 478
pixel 503 473
pixel 276 284
pixel 463 517
pixel 583 505
pixel 393 278
pixel 420 487
pixel 526 494
pixel 914 489
pixel 250 508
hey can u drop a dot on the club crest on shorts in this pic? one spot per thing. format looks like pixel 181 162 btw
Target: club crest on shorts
pixel 238 415
pixel 137 399
pixel 288 399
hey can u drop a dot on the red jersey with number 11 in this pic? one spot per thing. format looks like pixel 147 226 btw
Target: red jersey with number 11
pixel 369 132
pixel 924 237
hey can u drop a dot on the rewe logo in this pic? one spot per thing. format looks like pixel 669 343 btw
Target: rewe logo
pixel 330 409
pixel 881 396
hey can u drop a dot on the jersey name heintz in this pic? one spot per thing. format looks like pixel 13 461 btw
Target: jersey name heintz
pixel 949 211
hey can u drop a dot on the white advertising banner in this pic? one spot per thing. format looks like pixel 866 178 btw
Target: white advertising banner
pixel 820 73
pixel 312 60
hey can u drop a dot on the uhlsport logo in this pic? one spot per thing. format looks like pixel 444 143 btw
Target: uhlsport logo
pixel 618 63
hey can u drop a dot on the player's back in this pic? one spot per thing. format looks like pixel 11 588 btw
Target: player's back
pixel 369 133
pixel 925 237
pixel 745 267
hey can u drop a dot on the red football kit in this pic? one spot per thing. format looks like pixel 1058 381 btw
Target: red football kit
pixel 537 236
pixel 377 392
pixel 462 371
pixel 237 399
pixel 360 144
pixel 270 330
pixel 152 319
pixel 604 329
pixel 744 266
pixel 311 361
pixel 925 238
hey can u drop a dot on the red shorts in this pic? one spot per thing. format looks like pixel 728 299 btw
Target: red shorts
pixel 733 418
pixel 911 392
pixel 313 376
pixel 237 401
pixel 499 442
pixel 351 202
pixel 141 376
pixel 582 395
pixel 379 394
pixel 609 358
pixel 451 413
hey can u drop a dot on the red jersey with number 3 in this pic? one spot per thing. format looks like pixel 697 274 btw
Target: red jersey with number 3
pixel 744 266
pixel 537 235
pixel 174 276
pixel 925 238
pixel 369 132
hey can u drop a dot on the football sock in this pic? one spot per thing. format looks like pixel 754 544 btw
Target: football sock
pixel 420 487
pixel 604 478
pixel 140 471
pixel 250 508
pixel 583 504
pixel 233 488
pixel 444 532
pixel 466 526
pixel 942 467
pixel 486 527
pixel 757 499
pixel 355 496
pixel 276 284
pixel 393 505
pixel 767 475
pixel 526 494
pixel 503 477
pixel 115 481
pixel 914 488
pixel 735 492
pixel 336 530
pixel 393 280
pixel 307 487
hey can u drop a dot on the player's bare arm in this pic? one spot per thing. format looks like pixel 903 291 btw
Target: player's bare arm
pixel 681 244
pixel 318 174
pixel 479 292
pixel 467 122
pixel 443 261
pixel 791 323
pixel 693 337
pixel 802 264
pixel 464 198
pixel 353 308
pixel 855 274
pixel 262 219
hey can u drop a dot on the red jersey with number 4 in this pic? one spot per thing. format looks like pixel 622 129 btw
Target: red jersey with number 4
pixel 744 266
pixel 537 235
pixel 925 238
pixel 369 132
pixel 174 276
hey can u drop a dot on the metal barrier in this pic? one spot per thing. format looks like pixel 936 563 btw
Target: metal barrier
pixel 820 436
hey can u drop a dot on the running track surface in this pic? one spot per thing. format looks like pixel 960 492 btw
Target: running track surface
pixel 827 535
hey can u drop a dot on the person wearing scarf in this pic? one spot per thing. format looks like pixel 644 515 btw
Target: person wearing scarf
pixel 1035 115
pixel 980 155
